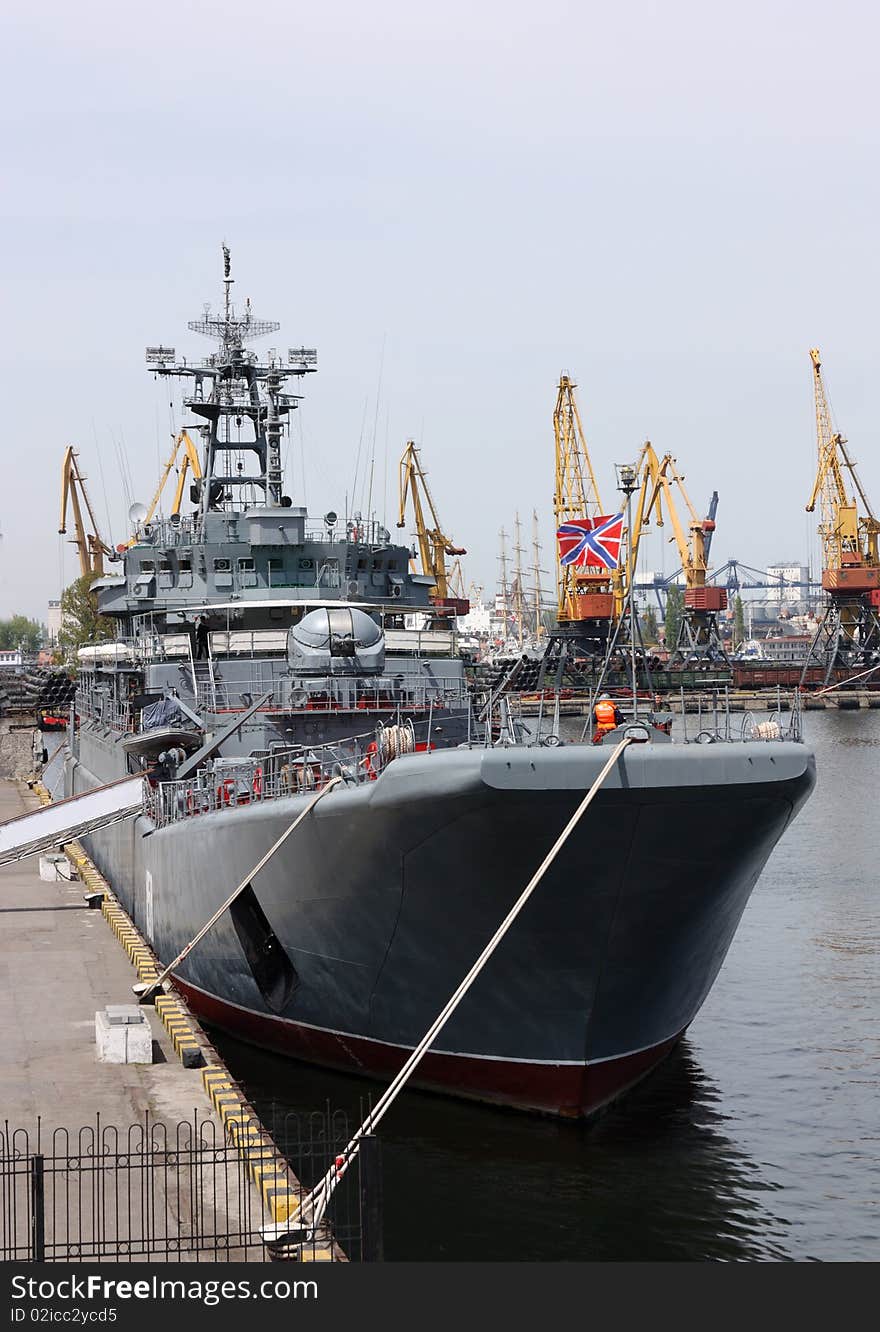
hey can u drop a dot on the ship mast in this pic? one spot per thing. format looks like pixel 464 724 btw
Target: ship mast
pixel 504 591
pixel 536 573
pixel 518 591
pixel 242 405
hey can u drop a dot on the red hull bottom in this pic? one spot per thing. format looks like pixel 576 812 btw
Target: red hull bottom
pixel 570 1090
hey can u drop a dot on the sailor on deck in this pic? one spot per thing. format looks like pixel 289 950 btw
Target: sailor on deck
pixel 606 715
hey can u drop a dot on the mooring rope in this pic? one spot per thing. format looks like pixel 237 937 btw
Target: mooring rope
pixel 320 1196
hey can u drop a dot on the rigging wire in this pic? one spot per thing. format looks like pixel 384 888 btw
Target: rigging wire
pixel 385 477
pixel 126 488
pixel 103 482
pixel 357 460
pixel 126 461
pixel 369 507
pixel 302 456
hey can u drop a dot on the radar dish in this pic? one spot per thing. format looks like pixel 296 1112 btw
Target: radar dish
pixel 137 513
pixel 233 328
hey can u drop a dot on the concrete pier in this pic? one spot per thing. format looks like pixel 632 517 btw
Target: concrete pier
pixel 60 964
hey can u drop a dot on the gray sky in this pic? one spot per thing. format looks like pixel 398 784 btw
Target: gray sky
pixel 672 202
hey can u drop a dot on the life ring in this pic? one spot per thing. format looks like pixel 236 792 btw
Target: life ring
pixel 369 764
pixel 258 782
pixel 226 791
pixel 190 801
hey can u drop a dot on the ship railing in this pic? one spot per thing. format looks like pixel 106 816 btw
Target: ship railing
pixel 712 716
pixel 703 716
pixel 276 774
pixel 163 533
pixel 386 696
pixel 111 713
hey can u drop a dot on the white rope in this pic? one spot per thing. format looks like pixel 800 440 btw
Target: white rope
pixel 319 795
pixel 393 740
pixel 841 684
pixel 320 1196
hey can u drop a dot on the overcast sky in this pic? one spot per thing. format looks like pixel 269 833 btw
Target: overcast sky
pixel 671 202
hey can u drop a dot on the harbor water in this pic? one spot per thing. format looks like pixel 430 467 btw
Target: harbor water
pixel 757 1139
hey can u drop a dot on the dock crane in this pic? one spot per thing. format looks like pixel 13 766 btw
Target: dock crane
pixel 434 545
pixel 848 635
pixel 699 638
pixel 190 463
pixel 91 546
pixel 588 597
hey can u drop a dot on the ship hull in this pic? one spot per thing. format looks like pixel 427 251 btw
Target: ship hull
pixel 386 894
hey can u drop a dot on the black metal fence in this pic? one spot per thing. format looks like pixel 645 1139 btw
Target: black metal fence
pixel 176 1193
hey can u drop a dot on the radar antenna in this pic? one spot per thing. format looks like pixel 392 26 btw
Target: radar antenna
pixel 229 328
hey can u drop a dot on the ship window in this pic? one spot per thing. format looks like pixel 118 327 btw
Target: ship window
pixel 393 566
pixel 165 566
pixel 307 564
pixel 246 566
pixel 377 564
pixel 148 566
pixel 362 564
pixel 185 566
pixel 222 566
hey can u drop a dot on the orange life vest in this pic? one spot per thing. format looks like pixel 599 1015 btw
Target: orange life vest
pixel 605 719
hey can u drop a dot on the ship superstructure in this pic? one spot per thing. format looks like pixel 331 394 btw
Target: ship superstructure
pixel 205 601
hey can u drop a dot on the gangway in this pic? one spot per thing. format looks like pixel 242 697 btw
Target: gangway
pixel 64 820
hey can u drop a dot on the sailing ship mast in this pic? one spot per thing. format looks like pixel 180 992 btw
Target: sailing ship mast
pixel 536 575
pixel 518 590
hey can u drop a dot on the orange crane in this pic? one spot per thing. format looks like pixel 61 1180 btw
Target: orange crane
pixel 91 546
pixel 587 597
pixel 848 635
pixel 699 637
pixel 433 544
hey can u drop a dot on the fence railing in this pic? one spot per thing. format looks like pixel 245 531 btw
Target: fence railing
pixel 171 1192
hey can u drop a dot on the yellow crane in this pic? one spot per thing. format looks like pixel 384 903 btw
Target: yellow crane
pixel 433 544
pixel 583 593
pixel 848 540
pixel 699 635
pixel 190 463
pixel 849 632
pixel 90 545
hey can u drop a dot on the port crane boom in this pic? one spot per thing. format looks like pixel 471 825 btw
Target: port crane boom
pixel 433 544
pixel 189 463
pixel 90 545
pixel 585 595
pixel 849 632
pixel 699 637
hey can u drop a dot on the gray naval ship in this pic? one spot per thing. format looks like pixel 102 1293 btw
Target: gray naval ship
pixel 257 655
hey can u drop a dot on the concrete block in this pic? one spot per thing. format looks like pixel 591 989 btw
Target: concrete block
pixel 54 867
pixel 123 1035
